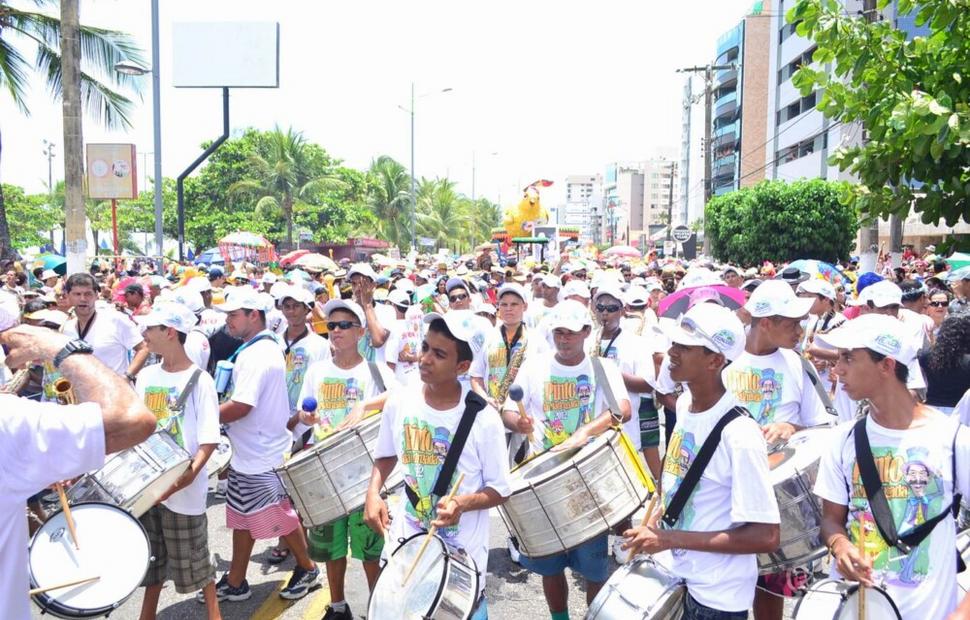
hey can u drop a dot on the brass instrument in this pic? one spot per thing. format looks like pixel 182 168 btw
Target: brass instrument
pixel 17 382
pixel 64 392
pixel 511 371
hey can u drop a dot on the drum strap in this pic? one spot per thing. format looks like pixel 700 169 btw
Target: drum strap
pixel 697 467
pixel 878 503
pixel 602 382
pixel 375 374
pixel 817 384
pixel 187 390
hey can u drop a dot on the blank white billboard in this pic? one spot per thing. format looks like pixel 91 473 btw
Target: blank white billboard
pixel 226 54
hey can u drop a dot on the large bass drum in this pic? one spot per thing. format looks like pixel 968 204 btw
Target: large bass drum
pixel 562 499
pixel 794 468
pixel 963 546
pixel 641 589
pixel 834 599
pixel 329 480
pixel 443 586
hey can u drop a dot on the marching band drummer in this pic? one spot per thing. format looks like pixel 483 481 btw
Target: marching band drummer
pixel 339 385
pixel 921 458
pixel 562 396
pixel 43 443
pixel 419 424
pixel 731 514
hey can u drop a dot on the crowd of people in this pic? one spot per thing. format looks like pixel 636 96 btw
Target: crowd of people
pixel 479 364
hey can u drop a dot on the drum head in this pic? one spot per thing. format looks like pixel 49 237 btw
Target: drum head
pixel 798 453
pixel 114 547
pixel 547 464
pixel 417 598
pixel 839 600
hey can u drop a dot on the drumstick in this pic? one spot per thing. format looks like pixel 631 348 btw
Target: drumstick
pixel 76 582
pixel 67 513
pixel 861 543
pixel 516 394
pixel 650 508
pixel 431 533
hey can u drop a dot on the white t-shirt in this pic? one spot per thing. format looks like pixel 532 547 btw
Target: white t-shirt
pixel 41 443
pixel 299 357
pixel 386 316
pixel 405 337
pixel 260 439
pixel 491 366
pixel 420 436
pixel 733 490
pixel 633 355
pixel 917 475
pixel 198 423
pixel 112 335
pixel 919 325
pixel 775 388
pixel 197 348
pixel 337 390
pixel 211 320
pixel 962 410
pixel 561 398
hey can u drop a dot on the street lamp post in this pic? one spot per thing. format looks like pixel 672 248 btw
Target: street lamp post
pixel 49 154
pixel 414 196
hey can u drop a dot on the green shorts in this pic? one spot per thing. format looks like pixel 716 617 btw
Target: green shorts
pixel 329 542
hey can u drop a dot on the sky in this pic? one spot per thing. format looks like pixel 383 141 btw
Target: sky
pixel 539 89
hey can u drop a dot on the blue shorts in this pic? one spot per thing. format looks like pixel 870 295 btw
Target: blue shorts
pixel 590 559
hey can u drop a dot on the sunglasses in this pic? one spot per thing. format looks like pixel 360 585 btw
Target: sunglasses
pixel 939 304
pixel 343 325
pixel 457 298
pixel 610 308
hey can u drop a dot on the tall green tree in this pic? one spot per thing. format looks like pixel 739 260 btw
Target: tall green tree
pixel 441 216
pixel 104 93
pixel 911 94
pixel 780 222
pixel 29 216
pixel 285 173
pixel 389 200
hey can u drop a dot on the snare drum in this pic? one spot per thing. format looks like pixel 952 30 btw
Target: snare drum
pixel 963 546
pixel 794 467
pixel 329 480
pixel 219 460
pixel 562 499
pixel 444 585
pixel 114 547
pixel 135 478
pixel 834 599
pixel 641 589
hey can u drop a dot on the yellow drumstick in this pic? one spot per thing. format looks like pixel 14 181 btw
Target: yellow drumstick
pixel 67 513
pixel 68 584
pixel 431 533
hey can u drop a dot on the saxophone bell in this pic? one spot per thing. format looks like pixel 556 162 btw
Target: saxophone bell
pixel 64 392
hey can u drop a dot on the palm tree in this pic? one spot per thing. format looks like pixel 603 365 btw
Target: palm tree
pixel 100 85
pixel 441 214
pixel 389 200
pixel 486 215
pixel 282 176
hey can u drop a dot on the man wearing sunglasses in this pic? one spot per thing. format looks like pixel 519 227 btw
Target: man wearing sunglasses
pixel 459 294
pixel 342 386
pixel 566 407
pixel 731 514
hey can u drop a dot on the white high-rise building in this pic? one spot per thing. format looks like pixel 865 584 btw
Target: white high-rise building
pixel 584 195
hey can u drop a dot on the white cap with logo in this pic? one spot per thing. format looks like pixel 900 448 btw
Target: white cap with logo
pixel 170 314
pixel 777 298
pixel 348 305
pixel 711 326
pixel 571 315
pixel 877 332
pixel 883 293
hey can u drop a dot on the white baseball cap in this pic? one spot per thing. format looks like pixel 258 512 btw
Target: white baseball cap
pixel 512 287
pixel 777 298
pixel 170 314
pixel 363 269
pixel 48 274
pixel 405 285
pixel 189 298
pixel 485 308
pixel 882 293
pixel 571 315
pixel 278 289
pixel 399 297
pixel 345 304
pixel 818 286
pixel 551 280
pixel 243 298
pixel 574 288
pixel 876 332
pixel 269 278
pixel 461 323
pixel 48 316
pixel 636 296
pixel 700 276
pixel 611 289
pixel 199 283
pixel 711 326
pixel 296 293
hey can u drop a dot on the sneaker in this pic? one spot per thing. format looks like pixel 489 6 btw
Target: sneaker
pixel 300 583
pixel 513 551
pixel 621 555
pixel 333 614
pixel 225 592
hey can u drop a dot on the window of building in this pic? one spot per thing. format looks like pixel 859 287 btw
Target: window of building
pixel 785 73
pixel 797 108
pixel 802 149
pixel 786 31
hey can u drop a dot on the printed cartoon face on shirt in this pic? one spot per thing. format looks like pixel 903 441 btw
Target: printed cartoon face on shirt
pixel 680 454
pixel 567 403
pixel 497 366
pixel 295 371
pixel 914 489
pixel 423 454
pixel 335 398
pixel 758 389
pixel 161 400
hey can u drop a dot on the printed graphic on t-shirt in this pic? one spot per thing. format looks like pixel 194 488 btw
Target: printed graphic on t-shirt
pixel 497 366
pixel 160 400
pixel 758 389
pixel 335 398
pixel 424 450
pixel 567 403
pixel 296 365
pixel 680 454
pixel 914 489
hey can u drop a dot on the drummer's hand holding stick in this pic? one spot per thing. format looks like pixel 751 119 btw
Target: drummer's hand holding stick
pixel 376 515
pixel 778 432
pixel 196 465
pixel 518 421
pixel 850 562
pixel 450 517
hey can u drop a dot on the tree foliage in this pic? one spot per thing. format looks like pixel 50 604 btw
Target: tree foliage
pixel 779 221
pixel 29 216
pixel 912 95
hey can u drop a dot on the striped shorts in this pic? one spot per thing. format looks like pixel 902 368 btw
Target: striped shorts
pixel 258 503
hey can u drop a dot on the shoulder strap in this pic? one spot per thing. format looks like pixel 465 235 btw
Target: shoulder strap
pixel 189 386
pixel 696 468
pixel 602 382
pixel 473 404
pixel 245 345
pixel 817 384
pixel 375 374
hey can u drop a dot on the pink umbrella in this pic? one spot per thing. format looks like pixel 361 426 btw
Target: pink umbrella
pixel 625 251
pixel 677 303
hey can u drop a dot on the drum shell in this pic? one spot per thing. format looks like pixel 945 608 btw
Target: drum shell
pixel 799 508
pixel 458 588
pixel 560 500
pixel 329 480
pixel 833 599
pixel 221 457
pixel 47 601
pixel 963 546
pixel 641 589
pixel 136 478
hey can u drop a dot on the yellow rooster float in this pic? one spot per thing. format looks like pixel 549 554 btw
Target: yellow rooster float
pixel 521 220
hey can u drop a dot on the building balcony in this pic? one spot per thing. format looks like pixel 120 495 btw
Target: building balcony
pixel 727 77
pixel 726 110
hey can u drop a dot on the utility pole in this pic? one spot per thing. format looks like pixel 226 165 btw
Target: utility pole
pixel 869 235
pixel 708 72
pixel 76 244
pixel 49 154
pixel 670 201
pixel 685 153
